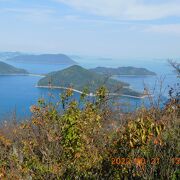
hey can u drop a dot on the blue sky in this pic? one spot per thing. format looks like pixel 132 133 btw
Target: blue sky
pixel 113 28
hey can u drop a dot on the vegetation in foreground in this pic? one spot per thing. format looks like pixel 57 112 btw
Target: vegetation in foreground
pixel 93 141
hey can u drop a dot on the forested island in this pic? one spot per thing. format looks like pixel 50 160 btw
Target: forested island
pixel 124 71
pixel 78 78
pixel 6 69
pixel 43 59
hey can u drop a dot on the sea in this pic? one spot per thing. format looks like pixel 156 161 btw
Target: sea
pixel 18 93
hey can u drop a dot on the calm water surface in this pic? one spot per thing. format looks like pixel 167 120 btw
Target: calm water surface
pixel 18 93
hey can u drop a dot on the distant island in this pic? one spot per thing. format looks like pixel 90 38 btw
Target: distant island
pixel 7 55
pixel 124 71
pixel 78 78
pixel 6 69
pixel 43 59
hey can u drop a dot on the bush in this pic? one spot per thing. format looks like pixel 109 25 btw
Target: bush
pixel 69 140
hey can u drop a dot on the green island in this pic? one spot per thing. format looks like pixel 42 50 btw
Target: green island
pixel 43 59
pixel 77 78
pixel 6 69
pixel 124 71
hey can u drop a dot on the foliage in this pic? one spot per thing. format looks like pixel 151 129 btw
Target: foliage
pixel 124 71
pixel 69 141
pixel 78 78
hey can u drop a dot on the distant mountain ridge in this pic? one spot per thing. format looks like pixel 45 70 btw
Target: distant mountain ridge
pixel 44 59
pixel 6 69
pixel 78 78
pixel 126 71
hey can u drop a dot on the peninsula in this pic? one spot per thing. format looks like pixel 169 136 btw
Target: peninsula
pixel 78 78
pixel 123 71
pixel 43 59
pixel 6 69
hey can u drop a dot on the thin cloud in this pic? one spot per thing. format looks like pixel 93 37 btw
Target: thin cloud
pixel 173 29
pixel 127 9
pixel 40 14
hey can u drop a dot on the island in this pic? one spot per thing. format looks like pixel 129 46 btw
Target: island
pixel 52 59
pixel 6 69
pixel 77 78
pixel 124 71
pixel 7 55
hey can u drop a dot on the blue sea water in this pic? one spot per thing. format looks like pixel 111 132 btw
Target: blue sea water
pixel 18 93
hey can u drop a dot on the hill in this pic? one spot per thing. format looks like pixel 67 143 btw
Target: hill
pixel 44 59
pixel 133 71
pixel 78 78
pixel 8 69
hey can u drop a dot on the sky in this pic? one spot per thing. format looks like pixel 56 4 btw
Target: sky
pixel 108 28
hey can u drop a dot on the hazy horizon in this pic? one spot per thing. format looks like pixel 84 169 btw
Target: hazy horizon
pixel 100 56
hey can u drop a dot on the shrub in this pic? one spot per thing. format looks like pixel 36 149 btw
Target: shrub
pixel 68 140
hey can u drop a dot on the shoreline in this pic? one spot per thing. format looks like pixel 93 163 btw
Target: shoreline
pixel 75 90
pixel 130 96
pixel 134 75
pixel 65 88
pixel 91 94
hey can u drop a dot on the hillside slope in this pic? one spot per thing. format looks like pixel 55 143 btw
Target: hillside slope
pixel 8 69
pixel 78 78
pixel 123 71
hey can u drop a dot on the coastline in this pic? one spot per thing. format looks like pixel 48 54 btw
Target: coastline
pixel 75 90
pixel 133 75
pixel 65 88
pixel 91 94
pixel 130 96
